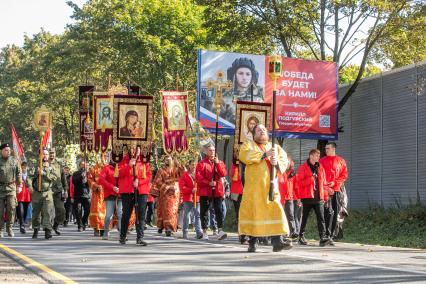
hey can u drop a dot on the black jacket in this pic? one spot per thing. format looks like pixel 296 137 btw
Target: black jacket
pixel 81 187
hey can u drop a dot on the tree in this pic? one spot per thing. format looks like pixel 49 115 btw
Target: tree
pixel 407 44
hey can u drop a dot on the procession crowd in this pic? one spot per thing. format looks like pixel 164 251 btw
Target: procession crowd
pixel 128 195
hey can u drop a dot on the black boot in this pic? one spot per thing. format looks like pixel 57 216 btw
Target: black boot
pixel 56 229
pixel 122 240
pixel 252 244
pixel 35 234
pixel 168 233
pixel 47 234
pixel 160 231
pixel 281 243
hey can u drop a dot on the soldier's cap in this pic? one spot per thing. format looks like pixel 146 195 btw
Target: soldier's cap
pixel 5 145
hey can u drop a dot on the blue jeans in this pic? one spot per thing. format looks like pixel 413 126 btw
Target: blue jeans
pixel 188 207
pixel 109 212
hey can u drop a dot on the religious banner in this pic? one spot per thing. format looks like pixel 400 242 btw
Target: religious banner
pixel 306 93
pixel 249 114
pixel 132 123
pixel 103 113
pixel 86 110
pixel 175 121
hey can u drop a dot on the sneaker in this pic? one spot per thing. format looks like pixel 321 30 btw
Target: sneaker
pixel 22 230
pixel 80 229
pixel 302 241
pixel 205 237
pixel 294 236
pixel 242 239
pixel 185 236
pixel 1 234
pixel 199 236
pixel 160 231
pixel 214 233
pixel 264 241
pixel 10 232
pixel 222 235
pixel 105 237
pixel 141 242
pixel 168 233
pixel 331 242
pixel 122 240
pixel 323 242
pixel 149 224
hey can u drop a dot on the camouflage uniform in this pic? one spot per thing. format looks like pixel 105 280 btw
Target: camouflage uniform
pixel 10 177
pixel 42 199
pixel 60 186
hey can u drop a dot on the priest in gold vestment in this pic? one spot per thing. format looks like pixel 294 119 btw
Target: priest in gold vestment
pixel 259 217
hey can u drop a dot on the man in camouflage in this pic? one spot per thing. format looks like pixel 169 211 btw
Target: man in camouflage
pixel 42 197
pixel 60 189
pixel 10 183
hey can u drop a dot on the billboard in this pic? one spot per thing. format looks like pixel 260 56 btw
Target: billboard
pixel 306 93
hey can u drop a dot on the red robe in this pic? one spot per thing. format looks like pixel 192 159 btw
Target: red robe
pixel 166 189
pixel 97 205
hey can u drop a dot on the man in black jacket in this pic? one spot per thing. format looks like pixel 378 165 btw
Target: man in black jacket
pixel 80 197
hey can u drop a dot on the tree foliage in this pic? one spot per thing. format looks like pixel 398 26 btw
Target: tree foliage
pixel 152 42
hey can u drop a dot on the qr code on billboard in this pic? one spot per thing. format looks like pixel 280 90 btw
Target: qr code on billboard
pixel 324 121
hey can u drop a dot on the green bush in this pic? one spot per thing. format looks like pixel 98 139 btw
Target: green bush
pixel 399 227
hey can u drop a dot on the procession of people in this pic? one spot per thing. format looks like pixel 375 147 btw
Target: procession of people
pixel 130 194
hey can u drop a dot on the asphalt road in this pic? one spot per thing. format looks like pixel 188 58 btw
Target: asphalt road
pixel 87 259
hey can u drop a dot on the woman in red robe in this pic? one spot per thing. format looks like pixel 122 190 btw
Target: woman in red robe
pixel 97 206
pixel 166 189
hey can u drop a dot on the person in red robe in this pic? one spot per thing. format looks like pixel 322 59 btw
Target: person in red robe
pixel 166 189
pixel 23 198
pixel 97 206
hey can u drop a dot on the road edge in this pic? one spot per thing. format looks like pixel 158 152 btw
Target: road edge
pixel 41 270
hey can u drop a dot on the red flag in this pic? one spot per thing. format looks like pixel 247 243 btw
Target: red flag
pixel 17 146
pixel 46 139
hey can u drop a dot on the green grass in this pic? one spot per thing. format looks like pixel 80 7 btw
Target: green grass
pixel 399 227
